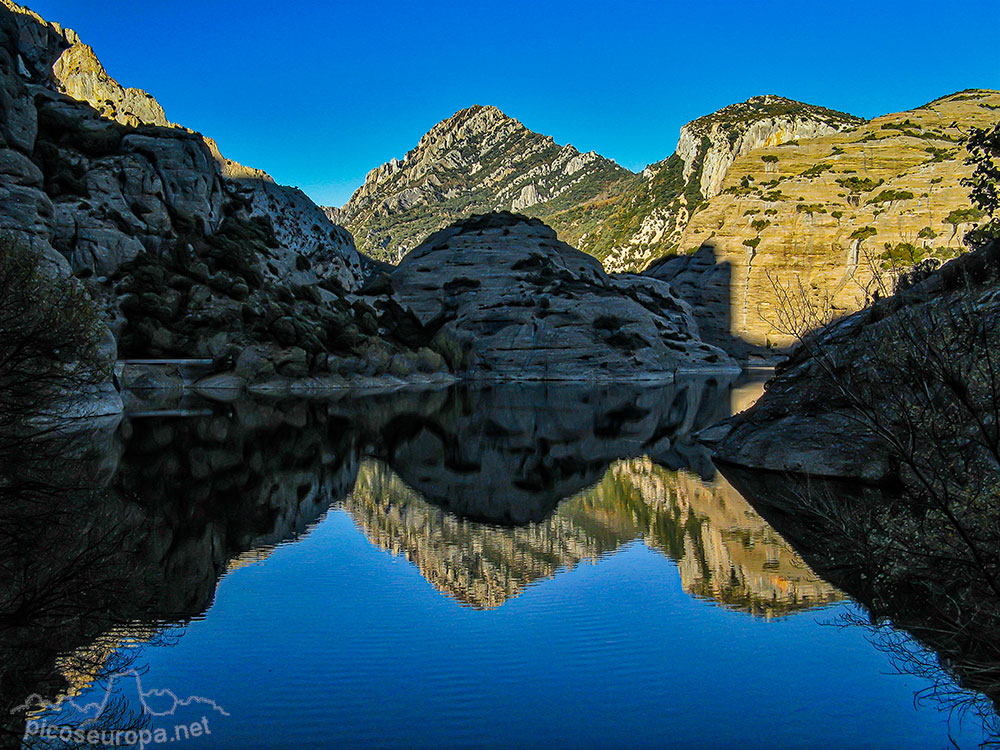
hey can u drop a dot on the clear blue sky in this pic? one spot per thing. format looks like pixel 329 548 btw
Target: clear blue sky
pixel 318 93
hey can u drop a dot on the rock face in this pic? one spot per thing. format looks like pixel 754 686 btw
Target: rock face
pixel 651 216
pixel 816 216
pixel 508 300
pixel 888 390
pixel 476 161
pixel 181 259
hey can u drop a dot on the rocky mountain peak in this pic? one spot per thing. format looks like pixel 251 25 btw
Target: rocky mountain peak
pixel 472 120
pixel 710 144
pixel 82 76
pixel 475 161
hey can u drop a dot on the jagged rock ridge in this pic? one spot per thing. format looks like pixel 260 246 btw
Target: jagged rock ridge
pixel 476 161
pixel 480 160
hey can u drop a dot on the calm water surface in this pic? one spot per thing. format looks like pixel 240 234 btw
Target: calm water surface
pixel 505 567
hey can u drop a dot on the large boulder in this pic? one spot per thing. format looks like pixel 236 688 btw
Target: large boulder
pixel 502 297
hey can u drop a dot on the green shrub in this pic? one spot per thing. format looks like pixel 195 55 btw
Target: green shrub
pixel 859 184
pixel 816 170
pixel 968 215
pixel 889 195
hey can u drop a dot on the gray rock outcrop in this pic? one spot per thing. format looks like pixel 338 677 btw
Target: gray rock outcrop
pixel 508 300
pixel 185 253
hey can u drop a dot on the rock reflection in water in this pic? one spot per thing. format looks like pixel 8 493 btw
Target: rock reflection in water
pixel 106 535
pixel 725 552
pixel 486 490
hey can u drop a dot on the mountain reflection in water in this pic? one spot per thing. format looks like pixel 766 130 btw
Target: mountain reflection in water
pixel 486 491
pixel 724 550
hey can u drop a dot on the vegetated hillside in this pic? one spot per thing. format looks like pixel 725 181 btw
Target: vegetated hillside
pixel 477 161
pixel 481 160
pixel 816 217
pixel 647 215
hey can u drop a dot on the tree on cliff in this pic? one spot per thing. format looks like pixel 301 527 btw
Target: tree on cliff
pixel 984 154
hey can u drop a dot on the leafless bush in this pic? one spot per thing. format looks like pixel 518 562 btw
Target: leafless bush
pixel 50 340
pixel 917 375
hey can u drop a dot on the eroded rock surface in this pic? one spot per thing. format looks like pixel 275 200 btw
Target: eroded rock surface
pixel 507 299
pixel 186 253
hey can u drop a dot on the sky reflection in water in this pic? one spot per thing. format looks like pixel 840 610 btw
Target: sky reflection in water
pixel 574 582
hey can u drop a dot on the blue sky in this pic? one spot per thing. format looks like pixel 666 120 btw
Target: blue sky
pixel 318 93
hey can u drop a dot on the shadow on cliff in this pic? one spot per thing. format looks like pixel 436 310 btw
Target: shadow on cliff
pixel 706 284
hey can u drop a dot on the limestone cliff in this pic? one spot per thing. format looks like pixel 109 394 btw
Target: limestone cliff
pixel 903 390
pixel 817 217
pixel 651 217
pixel 716 140
pixel 778 192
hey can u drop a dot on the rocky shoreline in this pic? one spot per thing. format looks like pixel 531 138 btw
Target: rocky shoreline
pixel 857 398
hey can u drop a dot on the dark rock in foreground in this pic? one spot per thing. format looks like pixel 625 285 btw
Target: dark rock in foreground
pixel 904 388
